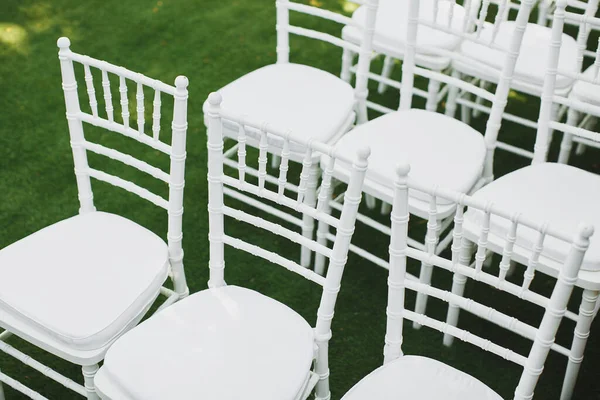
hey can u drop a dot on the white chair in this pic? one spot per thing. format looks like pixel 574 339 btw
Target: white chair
pixel 390 41
pixel 586 89
pixel 229 342
pixel 309 101
pixel 416 377
pixel 91 277
pixel 529 70
pixel 561 193
pixel 441 149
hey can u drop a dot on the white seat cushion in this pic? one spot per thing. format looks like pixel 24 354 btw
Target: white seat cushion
pixel 560 194
pixel 83 280
pixel 391 26
pixel 532 59
pixel 227 343
pixel 587 91
pixel 312 103
pixel 419 378
pixel 440 150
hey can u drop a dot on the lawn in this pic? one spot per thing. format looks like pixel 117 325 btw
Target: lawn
pixel 213 42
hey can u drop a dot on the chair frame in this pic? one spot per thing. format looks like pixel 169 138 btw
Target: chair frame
pixel 219 184
pixel 476 107
pixel 284 29
pixel 499 99
pixel 83 172
pixel 547 123
pixel 555 306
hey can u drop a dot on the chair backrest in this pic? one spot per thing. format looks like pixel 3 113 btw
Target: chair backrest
pixel 364 50
pixel 468 24
pixel 218 182
pixel 588 76
pixel 555 305
pixel 175 150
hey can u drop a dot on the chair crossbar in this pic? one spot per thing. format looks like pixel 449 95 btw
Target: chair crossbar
pixel 514 149
pixel 258 125
pixel 262 206
pixel 277 230
pixel 319 12
pixel 274 258
pixel 380 262
pixel 43 369
pixel 459 198
pixel 120 71
pixel 283 200
pixel 459 83
pixel 465 336
pixel 479 276
pixel 171 295
pixel 19 387
pixel 125 131
pixel 127 159
pixel 575 130
pixel 579 105
pixel 582 19
pixel 325 37
pixel 463 35
pixel 129 186
pixel 503 320
pixel 506 116
pixel 378 107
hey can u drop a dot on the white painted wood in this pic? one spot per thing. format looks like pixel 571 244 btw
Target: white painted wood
pixel 216 117
pixel 32 329
pixel 555 306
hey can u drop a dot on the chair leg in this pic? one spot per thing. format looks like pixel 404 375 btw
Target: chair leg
pixel 2 397
pixel 580 149
pixel 452 95
pixel 465 111
pixel 386 208
pixel 89 371
pixel 581 334
pixel 275 160
pixel 386 72
pixel 370 201
pixel 322 369
pixel 458 287
pixel 347 58
pixel 567 142
pixel 433 90
pixel 308 223
pixel 431 240
pixel 479 100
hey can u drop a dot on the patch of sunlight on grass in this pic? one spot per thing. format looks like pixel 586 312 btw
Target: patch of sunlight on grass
pixel 41 16
pixel 315 3
pixel 14 37
pixel 517 96
pixel 349 6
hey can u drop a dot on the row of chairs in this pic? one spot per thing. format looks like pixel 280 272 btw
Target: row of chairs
pixel 200 336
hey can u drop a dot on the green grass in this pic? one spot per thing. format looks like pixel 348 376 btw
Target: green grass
pixel 212 42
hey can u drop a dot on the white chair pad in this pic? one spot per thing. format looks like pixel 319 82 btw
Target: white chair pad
pixel 560 194
pixel 440 150
pixel 586 91
pixel 312 103
pixel 390 29
pixel 83 280
pixel 226 343
pixel 414 377
pixel 532 59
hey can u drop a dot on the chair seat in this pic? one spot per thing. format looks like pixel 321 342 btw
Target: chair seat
pixel 531 63
pixel 83 280
pixel 226 343
pixel 560 194
pixel 310 102
pixel 419 378
pixel 440 150
pixel 586 91
pixel 390 29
